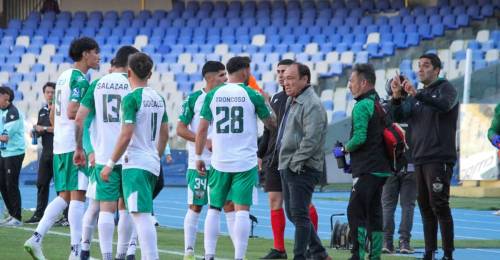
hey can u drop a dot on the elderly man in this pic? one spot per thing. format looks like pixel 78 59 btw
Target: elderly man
pixel 300 142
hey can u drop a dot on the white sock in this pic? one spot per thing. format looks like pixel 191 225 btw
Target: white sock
pixel 50 216
pixel 190 228
pixel 212 226
pixel 230 218
pixel 89 223
pixel 106 228
pixel 241 233
pixel 75 216
pixel 125 227
pixel 132 244
pixel 147 235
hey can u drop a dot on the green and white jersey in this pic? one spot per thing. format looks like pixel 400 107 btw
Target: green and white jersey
pixel 190 116
pixel 103 99
pixel 233 109
pixel 70 86
pixel 145 108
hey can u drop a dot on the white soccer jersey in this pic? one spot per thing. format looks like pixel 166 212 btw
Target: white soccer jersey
pixel 70 86
pixel 233 110
pixel 190 116
pixel 145 108
pixel 104 98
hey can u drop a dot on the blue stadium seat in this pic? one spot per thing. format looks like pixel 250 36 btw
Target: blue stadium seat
pixel 373 50
pixel 487 10
pixel 296 48
pixel 387 48
pixel 357 47
pixel 488 45
pixel 479 64
pixel 474 12
pixel 450 21
pixel 361 57
pixel 342 47
pixel 328 104
pixel 462 20
pixel 413 39
pixel 437 29
pixel 459 55
pixel 281 48
pixel 266 48
pixel 425 31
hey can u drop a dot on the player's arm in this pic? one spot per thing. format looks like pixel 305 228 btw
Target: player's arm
pixel 72 109
pixel 201 136
pixel 79 155
pixel 162 142
pixel 270 122
pixel 184 132
pixel 52 114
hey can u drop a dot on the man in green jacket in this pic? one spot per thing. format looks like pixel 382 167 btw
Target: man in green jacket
pixel 369 164
pixel 11 155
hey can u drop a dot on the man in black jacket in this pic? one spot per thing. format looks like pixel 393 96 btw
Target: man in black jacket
pixel 432 113
pixel 44 129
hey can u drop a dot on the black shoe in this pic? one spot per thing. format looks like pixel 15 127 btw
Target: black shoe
pixel 447 258
pixel 32 220
pixel 130 257
pixel 388 247
pixel 62 222
pixel 275 254
pixel 429 256
pixel 405 248
pixel 84 255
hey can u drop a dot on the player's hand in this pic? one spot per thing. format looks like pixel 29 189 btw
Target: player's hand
pixel 408 87
pixel 92 159
pixel 39 129
pixel 79 157
pixel 201 168
pixel 338 152
pixel 169 158
pixel 259 163
pixel 208 145
pixel 105 172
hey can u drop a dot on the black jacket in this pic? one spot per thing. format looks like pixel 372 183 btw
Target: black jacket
pixel 267 142
pixel 432 114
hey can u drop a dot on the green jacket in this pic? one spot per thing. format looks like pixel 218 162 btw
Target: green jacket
pixel 12 121
pixel 495 124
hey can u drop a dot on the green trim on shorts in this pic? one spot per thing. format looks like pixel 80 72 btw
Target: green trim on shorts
pixel 221 184
pixel 138 186
pixel 112 189
pixel 197 188
pixel 67 176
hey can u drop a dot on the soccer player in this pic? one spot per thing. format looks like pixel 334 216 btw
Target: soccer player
pixel 142 140
pixel 70 181
pixel 214 74
pixel 233 108
pixel 103 100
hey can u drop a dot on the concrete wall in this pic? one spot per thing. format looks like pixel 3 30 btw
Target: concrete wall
pixel 115 5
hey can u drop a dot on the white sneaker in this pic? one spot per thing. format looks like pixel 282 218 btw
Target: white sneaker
pixel 5 220
pixel 34 249
pixel 13 222
pixel 497 213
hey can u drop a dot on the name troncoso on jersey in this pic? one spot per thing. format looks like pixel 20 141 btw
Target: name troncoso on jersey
pixel 152 103
pixel 230 99
pixel 117 86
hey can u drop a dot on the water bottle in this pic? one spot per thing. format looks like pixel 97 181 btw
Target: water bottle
pixel 34 136
pixel 341 162
pixel 3 145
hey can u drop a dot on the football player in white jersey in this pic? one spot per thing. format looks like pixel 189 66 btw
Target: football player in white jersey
pixel 233 109
pixel 70 181
pixel 214 74
pixel 142 141
pixel 103 100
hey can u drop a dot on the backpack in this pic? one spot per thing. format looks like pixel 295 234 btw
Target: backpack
pixel 394 140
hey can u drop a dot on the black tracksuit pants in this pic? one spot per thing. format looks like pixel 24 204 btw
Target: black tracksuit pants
pixel 433 188
pixel 364 214
pixel 45 174
pixel 10 168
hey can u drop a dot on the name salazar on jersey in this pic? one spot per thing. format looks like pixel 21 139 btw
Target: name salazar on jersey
pixel 230 99
pixel 116 86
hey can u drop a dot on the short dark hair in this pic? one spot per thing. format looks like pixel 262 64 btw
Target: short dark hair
pixel 80 45
pixel 366 71
pixel 237 63
pixel 141 64
pixel 49 85
pixel 212 66
pixel 121 56
pixel 286 62
pixel 435 61
pixel 4 90
pixel 303 70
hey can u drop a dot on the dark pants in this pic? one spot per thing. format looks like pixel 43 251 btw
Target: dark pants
pixel 159 184
pixel 45 173
pixel 364 214
pixel 433 188
pixel 297 195
pixel 10 168
pixel 403 187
